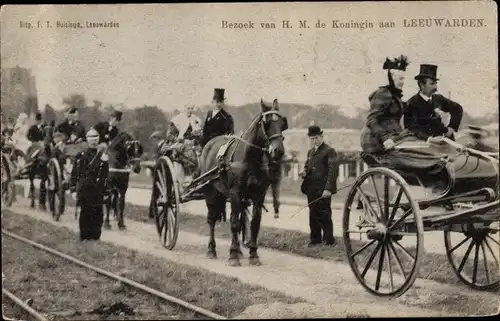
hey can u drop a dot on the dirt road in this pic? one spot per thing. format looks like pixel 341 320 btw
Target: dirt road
pixel 326 284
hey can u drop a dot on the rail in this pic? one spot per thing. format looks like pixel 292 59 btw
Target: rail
pixel 116 277
pixel 23 305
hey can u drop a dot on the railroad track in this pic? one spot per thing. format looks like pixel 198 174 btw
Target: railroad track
pixel 173 300
pixel 25 306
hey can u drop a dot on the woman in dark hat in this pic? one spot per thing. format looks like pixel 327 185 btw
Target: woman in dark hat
pixel 218 121
pixel 422 115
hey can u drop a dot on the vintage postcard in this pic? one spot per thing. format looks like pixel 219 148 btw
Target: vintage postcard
pixel 250 160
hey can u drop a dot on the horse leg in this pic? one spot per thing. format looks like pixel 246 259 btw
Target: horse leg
pixel 235 250
pixel 43 193
pixel 121 201
pixel 107 207
pixel 32 190
pixel 211 220
pixel 275 188
pixel 254 232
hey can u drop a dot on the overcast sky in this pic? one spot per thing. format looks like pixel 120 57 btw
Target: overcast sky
pixel 169 55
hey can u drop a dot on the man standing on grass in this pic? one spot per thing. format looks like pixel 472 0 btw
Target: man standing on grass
pixel 320 182
pixel 87 186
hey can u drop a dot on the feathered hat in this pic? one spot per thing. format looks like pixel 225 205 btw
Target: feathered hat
pixel 398 63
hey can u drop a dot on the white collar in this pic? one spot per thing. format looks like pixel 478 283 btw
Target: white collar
pixel 425 97
pixel 214 112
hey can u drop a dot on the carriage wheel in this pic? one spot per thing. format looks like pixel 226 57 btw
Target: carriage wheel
pixel 245 227
pixel 166 202
pixel 55 189
pixel 386 229
pixel 473 255
pixel 8 188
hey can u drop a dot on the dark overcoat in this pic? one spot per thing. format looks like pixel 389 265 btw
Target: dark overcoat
pixel 421 119
pixel 106 131
pixel 35 133
pixel 321 169
pixel 220 124
pixel 88 177
pixel 383 121
pixel 75 128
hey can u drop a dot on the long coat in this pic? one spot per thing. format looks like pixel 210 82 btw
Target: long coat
pixel 421 119
pixel 36 133
pixel 88 178
pixel 220 124
pixel 75 128
pixel 106 132
pixel 321 170
pixel 383 121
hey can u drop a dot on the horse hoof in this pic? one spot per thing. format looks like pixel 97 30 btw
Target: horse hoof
pixel 122 228
pixel 107 226
pixel 234 262
pixel 211 255
pixel 241 255
pixel 255 261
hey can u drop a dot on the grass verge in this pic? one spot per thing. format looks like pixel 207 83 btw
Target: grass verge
pixel 223 295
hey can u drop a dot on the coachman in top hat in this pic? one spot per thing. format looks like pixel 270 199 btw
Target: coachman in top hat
pixel 422 115
pixel 219 121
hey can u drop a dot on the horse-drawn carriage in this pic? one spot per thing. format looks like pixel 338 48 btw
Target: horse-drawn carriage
pixel 386 213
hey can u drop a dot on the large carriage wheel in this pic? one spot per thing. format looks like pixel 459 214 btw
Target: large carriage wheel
pixel 166 202
pixel 8 188
pixel 55 189
pixel 473 254
pixel 385 228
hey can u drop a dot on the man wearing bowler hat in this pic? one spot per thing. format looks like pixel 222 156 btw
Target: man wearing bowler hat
pixel 423 113
pixel 219 121
pixel 320 182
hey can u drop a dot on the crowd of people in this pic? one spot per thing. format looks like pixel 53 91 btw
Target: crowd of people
pixel 423 115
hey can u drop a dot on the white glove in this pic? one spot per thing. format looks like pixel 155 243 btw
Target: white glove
pixel 105 157
pixel 73 137
pixel 73 196
pixel 389 144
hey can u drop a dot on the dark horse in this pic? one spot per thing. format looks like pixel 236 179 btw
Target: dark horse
pixel 123 152
pixel 244 177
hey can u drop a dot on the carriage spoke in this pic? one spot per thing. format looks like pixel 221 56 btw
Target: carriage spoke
pixel 476 257
pixel 372 181
pixel 390 267
pixel 385 214
pixel 367 203
pixel 401 219
pixel 363 248
pixel 459 244
pixel 370 260
pixel 466 256
pixel 492 252
pixel 400 265
pixel 396 205
pixel 493 240
pixel 404 250
pixel 380 266
pixel 485 262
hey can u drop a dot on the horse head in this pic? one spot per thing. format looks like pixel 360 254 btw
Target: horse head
pixel 272 125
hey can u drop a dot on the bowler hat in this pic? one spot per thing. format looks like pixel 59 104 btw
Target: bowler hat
pixel 427 71
pixel 117 114
pixel 219 94
pixel 314 131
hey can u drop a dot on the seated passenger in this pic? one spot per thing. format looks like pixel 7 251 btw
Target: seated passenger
pixel 383 130
pixel 424 113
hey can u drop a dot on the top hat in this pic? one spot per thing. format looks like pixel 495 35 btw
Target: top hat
pixel 314 131
pixel 72 110
pixel 427 71
pixel 219 94
pixel 399 63
pixel 38 115
pixel 117 114
pixel 476 131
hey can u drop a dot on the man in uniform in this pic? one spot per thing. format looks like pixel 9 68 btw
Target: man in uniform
pixel 425 111
pixel 218 121
pixel 72 127
pixel 320 182
pixel 108 130
pixel 87 186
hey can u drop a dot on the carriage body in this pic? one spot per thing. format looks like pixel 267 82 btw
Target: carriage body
pixel 385 206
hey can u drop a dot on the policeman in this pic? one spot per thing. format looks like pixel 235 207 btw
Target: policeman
pixel 108 130
pixel 72 127
pixel 218 121
pixel 87 186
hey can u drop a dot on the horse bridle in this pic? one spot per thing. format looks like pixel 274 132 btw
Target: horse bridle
pixel 263 121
